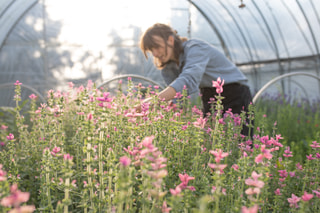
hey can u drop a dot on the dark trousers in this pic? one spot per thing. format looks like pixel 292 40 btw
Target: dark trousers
pixel 236 96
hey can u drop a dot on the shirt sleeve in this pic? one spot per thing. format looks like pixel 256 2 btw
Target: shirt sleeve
pixel 196 60
pixel 170 72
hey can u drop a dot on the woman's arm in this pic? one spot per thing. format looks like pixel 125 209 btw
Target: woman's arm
pixel 165 95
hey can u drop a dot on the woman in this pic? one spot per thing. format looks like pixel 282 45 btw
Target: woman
pixel 195 64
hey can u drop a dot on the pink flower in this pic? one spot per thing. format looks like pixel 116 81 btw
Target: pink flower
pixel 55 151
pixel 23 209
pixel 317 193
pixel 299 166
pixel 315 145
pixel 265 154
pixel 89 116
pixel 235 167
pixel 164 208
pixel 287 152
pixel 306 196
pixel 218 85
pixel 219 154
pixel 2 174
pixel 201 122
pixel 4 127
pixel 10 137
pixel 252 191
pixel 125 161
pixel 292 174
pixel 309 157
pixel 176 191
pixel 15 198
pixel 147 142
pixel 105 98
pixel 17 83
pixel 253 209
pixel 277 192
pixel 70 84
pixel 185 178
pixel 255 182
pixel 294 201
pixel 67 157
pixel 219 167
pixel 32 96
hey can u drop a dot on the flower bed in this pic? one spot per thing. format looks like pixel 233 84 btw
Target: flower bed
pixel 89 151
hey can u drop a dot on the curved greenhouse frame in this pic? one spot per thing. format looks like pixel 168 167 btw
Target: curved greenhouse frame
pixel 47 43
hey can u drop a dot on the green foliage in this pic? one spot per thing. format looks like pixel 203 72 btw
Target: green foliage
pixel 88 151
pixel 296 120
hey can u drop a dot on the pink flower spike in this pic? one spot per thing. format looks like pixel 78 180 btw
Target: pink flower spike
pixel 15 198
pixel 218 85
pixel 17 83
pixel 32 96
pixel 294 201
pixel 253 209
pixel 317 193
pixel 176 191
pixel 219 154
pixel 306 196
pixel 185 178
pixel 315 145
pixel 10 137
pixel 255 175
pixel 277 192
pixel 165 208
pixel 67 157
pixel 309 157
pixel 125 161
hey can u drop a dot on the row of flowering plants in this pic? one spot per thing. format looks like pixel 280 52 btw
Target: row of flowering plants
pixel 86 150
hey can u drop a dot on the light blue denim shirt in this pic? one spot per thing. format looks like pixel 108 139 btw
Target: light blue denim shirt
pixel 199 65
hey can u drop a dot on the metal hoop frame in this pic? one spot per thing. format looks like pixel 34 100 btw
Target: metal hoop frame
pixel 132 76
pixel 279 78
pixel 24 86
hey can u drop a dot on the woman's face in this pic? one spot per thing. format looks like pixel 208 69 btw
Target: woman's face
pixel 164 52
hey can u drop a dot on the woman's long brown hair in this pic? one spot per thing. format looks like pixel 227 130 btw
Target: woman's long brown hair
pixel 163 31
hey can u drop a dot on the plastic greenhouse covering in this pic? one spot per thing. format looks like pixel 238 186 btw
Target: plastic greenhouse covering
pixel 47 43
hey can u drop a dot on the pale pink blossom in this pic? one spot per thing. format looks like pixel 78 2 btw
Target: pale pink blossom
pixel 220 167
pixel 125 161
pixel 176 191
pixel 32 96
pixel 254 180
pixel 2 174
pixel 15 198
pixel 23 209
pixel 277 191
pixel 67 157
pixel 306 196
pixel 165 208
pixel 317 193
pixel 252 191
pixel 235 167
pixel 253 209
pixel 219 154
pixel 265 153
pixel 294 201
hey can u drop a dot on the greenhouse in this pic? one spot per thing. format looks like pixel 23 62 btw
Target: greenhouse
pixel 46 44
pixel 85 127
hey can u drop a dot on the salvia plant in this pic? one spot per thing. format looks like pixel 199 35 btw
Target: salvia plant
pixel 88 150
